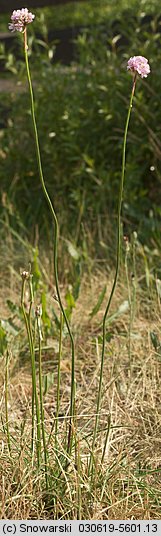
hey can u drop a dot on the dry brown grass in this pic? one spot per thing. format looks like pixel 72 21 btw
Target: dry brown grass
pixel 127 484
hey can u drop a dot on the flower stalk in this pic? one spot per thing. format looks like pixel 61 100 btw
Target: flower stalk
pixel 6 403
pixel 118 251
pixel 52 210
pixel 58 380
pixel 35 403
pixel 38 314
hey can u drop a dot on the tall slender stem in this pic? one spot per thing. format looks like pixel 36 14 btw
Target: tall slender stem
pixel 58 379
pixel 6 403
pixel 52 210
pixel 38 318
pixel 33 368
pixel 120 198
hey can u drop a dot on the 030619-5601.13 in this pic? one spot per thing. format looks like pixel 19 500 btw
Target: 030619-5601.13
pixel 122 527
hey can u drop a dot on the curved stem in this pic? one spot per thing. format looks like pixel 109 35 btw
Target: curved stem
pixel 51 207
pixel 116 270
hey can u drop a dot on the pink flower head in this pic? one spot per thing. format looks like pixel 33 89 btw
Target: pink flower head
pixel 140 65
pixel 19 19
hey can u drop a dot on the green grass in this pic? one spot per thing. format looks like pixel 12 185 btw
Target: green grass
pixel 86 13
pixel 127 484
pixel 81 111
pixel 96 11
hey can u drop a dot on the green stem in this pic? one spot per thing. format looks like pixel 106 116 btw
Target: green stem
pixel 116 271
pixel 51 207
pixel 33 368
pixel 31 345
pixel 6 403
pixel 106 439
pixel 41 398
pixel 130 302
pixel 58 379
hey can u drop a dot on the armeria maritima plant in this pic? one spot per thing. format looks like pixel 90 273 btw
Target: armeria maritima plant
pixel 138 65
pixel 20 19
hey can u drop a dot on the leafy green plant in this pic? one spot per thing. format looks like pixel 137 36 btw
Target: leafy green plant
pixel 81 117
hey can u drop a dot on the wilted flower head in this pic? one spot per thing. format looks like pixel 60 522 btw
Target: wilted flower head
pixel 25 274
pixel 140 65
pixel 38 311
pixel 19 19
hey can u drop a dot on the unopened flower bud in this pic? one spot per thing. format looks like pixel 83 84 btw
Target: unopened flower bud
pixel 25 274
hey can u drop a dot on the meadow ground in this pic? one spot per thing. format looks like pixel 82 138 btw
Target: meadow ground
pixel 127 460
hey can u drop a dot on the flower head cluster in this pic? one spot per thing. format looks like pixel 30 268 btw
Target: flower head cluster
pixel 19 19
pixel 140 65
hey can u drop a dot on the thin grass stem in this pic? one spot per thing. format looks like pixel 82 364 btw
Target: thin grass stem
pixel 33 369
pixel 127 253
pixel 106 438
pixel 58 379
pixel 38 318
pixel 78 469
pixel 32 344
pixel 6 403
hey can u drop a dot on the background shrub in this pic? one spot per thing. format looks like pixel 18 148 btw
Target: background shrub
pixel 81 112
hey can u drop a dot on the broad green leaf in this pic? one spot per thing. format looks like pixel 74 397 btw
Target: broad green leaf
pixel 155 342
pixel 9 327
pixel 3 339
pixel 108 337
pixel 158 285
pixel 12 306
pixel 99 302
pixel 69 299
pixel 73 251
